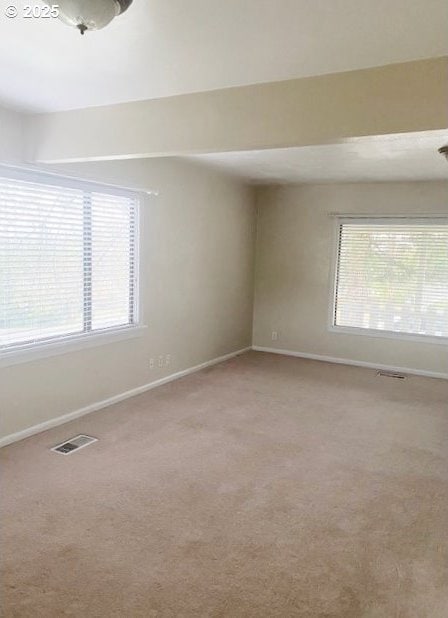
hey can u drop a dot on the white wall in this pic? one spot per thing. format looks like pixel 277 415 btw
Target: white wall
pixel 197 286
pixel 294 253
pixel 11 136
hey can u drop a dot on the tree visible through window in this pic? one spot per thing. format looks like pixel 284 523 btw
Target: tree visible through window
pixel 393 276
pixel 67 261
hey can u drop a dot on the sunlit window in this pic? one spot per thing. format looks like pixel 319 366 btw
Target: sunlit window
pixel 67 261
pixel 392 276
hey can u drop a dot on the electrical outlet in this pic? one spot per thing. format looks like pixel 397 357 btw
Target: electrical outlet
pixel 160 362
pixel 274 335
pixel 151 363
pixel 167 359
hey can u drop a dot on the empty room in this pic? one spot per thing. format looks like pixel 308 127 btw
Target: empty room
pixel 224 309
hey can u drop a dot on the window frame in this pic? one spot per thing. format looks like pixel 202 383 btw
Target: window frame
pixel 338 222
pixel 53 346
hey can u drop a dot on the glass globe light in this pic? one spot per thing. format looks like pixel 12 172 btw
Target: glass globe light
pixel 90 14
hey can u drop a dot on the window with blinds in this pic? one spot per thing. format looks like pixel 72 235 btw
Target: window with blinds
pixel 392 276
pixel 68 260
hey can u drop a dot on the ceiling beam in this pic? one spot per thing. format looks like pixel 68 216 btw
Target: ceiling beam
pixel 396 98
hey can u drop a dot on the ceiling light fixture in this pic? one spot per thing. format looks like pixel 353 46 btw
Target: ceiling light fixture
pixel 90 14
pixel 444 151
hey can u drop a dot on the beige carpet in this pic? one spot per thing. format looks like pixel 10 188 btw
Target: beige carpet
pixel 263 487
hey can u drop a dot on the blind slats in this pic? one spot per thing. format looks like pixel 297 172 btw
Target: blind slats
pixel 67 261
pixel 393 277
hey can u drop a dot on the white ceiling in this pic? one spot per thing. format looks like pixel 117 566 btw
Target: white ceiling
pixel 165 47
pixel 398 157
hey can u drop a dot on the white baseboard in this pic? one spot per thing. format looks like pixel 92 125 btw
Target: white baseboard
pixel 60 420
pixel 355 363
pixel 65 418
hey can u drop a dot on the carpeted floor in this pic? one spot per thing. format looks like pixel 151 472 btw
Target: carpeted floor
pixel 266 486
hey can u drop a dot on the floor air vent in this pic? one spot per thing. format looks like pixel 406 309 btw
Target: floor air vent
pixel 74 444
pixel 391 374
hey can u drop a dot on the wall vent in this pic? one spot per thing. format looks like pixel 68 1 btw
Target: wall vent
pixel 391 374
pixel 74 444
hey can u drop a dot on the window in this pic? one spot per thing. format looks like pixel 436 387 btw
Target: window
pixel 68 260
pixel 392 277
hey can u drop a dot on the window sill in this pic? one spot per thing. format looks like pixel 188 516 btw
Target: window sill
pixel 67 345
pixel 386 334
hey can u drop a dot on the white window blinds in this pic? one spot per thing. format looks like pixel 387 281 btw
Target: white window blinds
pixel 393 276
pixel 67 261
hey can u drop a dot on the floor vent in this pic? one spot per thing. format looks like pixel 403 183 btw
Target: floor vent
pixel 74 444
pixel 391 374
